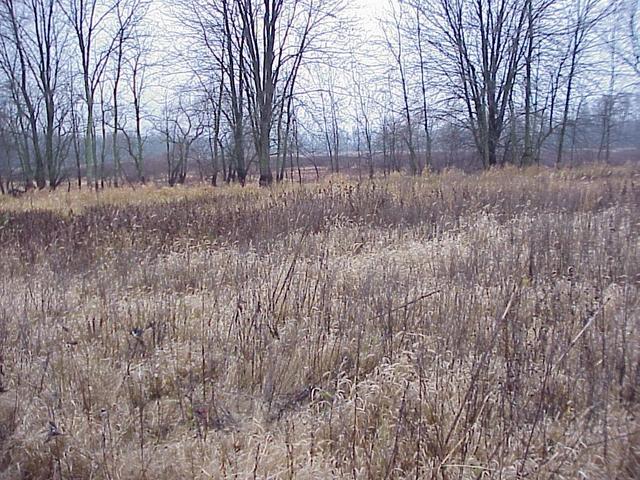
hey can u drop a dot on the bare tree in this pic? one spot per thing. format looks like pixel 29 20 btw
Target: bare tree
pixel 183 123
pixel 97 37
pixel 217 60
pixel 480 46
pixel 75 131
pixel 395 44
pixel 137 76
pixel 6 147
pixel 104 107
pixel 259 28
pixel 630 53
pixel 364 111
pixel 423 85
pixel 584 15
pixel 527 156
pixel 128 44
pixel 330 124
pixel 259 47
pixel 32 57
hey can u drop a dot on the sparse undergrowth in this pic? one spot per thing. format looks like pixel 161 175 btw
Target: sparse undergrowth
pixel 452 326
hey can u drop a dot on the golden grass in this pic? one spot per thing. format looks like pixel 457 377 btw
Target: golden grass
pixel 75 201
pixel 451 326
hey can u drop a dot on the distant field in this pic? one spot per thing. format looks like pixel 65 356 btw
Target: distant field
pixel 451 326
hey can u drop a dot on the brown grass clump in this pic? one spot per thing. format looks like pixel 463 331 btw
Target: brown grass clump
pixel 451 327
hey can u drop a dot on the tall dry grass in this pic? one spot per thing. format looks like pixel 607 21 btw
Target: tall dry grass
pixel 452 326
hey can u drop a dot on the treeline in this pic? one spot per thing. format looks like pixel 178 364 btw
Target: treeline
pixel 94 91
pixel 65 66
pixel 518 81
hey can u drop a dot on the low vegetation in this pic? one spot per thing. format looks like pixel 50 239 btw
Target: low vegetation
pixel 449 326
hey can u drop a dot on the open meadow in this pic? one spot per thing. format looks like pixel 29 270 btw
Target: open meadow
pixel 450 326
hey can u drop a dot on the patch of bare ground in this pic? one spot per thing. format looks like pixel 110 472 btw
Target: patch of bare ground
pixel 451 327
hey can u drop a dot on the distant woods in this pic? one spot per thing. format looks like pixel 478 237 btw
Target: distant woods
pixel 65 68
pixel 121 92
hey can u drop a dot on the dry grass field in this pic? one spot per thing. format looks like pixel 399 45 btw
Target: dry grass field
pixel 451 327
